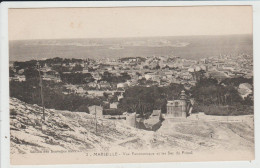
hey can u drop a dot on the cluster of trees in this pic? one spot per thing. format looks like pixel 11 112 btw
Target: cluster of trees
pixel 237 81
pixel 209 91
pixel 221 98
pixel 143 100
pixel 58 60
pixel 61 69
pixel 55 63
pixel 211 97
pixel 32 74
pixel 226 110
pixel 29 92
pixel 76 78
pixel 111 78
pixel 145 82
pixel 198 75
pixel 24 65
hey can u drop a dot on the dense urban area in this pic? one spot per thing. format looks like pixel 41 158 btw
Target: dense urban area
pixel 218 85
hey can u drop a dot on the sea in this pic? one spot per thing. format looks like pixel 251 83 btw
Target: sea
pixel 187 47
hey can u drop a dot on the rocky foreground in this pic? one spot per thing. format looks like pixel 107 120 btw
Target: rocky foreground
pixel 76 131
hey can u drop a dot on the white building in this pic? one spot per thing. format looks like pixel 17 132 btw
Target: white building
pixel 113 105
pixel 121 85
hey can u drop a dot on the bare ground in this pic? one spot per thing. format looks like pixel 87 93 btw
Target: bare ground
pixel 65 130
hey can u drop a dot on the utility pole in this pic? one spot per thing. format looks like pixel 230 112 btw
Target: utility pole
pixel 42 98
pixel 96 118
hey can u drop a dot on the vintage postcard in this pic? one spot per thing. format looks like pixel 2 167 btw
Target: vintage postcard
pixel 131 84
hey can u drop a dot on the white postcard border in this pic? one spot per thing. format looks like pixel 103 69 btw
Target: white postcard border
pixel 4 74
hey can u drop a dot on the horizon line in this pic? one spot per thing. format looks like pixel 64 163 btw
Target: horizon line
pixel 251 34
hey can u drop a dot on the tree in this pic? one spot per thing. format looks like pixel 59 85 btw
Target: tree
pixel 237 81
pixel 76 78
pixel 199 75
pixel 83 108
pixel 248 100
pixel 77 68
pixel 32 74
pixel 23 65
pixel 105 95
pixel 11 72
pixel 60 69
pixel 142 81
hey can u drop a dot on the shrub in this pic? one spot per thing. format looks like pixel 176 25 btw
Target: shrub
pixel 13 112
pixel 83 108
pixel 233 110
pixel 112 112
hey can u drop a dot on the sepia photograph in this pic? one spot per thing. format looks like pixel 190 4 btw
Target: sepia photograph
pixel 96 85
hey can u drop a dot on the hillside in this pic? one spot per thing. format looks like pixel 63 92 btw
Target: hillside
pixel 75 131
pixel 63 130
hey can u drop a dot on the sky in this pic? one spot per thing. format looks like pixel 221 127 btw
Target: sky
pixel 66 23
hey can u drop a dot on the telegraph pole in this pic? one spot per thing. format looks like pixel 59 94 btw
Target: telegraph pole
pixel 42 98
pixel 96 118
